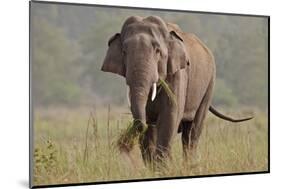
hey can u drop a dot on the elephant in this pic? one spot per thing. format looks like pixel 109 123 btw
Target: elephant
pixel 147 50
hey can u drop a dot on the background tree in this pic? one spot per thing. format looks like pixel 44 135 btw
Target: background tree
pixel 70 42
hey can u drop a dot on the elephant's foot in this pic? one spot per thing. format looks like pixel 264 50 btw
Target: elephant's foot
pixel 161 159
pixel 189 157
pixel 147 154
pixel 189 150
pixel 189 142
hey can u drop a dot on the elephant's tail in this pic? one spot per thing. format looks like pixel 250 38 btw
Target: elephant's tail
pixel 220 115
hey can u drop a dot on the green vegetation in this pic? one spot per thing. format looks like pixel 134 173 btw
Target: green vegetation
pixel 129 137
pixel 168 91
pixel 87 151
pixel 70 42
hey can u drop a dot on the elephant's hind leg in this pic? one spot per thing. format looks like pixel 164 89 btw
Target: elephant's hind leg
pixel 191 131
pixel 186 139
pixel 148 144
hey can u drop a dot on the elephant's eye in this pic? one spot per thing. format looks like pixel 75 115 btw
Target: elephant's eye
pixel 123 52
pixel 156 46
pixel 157 50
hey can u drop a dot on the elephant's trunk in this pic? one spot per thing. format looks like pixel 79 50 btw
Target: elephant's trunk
pixel 138 97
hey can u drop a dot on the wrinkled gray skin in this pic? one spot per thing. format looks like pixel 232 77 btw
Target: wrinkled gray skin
pixel 148 49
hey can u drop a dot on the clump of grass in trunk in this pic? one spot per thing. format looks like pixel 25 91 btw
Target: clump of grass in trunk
pixel 129 137
pixel 135 129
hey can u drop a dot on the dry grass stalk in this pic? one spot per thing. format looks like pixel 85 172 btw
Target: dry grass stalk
pixel 91 122
pixel 168 91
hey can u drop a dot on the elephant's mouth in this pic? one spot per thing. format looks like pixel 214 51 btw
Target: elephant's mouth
pixel 153 92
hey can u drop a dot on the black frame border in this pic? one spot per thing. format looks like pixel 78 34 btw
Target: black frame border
pixel 146 179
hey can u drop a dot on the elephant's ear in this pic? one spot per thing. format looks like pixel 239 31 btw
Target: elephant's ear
pixel 177 57
pixel 113 61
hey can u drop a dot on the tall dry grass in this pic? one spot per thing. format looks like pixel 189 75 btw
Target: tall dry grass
pixel 79 145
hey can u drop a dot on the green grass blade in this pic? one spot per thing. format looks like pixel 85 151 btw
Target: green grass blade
pixel 168 91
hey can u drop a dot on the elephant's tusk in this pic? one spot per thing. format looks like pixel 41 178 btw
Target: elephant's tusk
pixel 128 96
pixel 153 91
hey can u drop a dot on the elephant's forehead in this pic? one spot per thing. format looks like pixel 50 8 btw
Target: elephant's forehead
pixel 138 28
pixel 141 28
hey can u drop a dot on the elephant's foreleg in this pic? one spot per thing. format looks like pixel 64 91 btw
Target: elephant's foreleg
pixel 148 144
pixel 165 131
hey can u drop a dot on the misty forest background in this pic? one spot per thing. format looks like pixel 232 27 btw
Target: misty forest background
pixel 79 112
pixel 70 42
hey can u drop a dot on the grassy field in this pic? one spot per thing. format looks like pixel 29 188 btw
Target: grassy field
pixel 79 145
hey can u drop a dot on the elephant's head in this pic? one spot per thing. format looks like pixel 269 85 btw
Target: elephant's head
pixel 143 52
